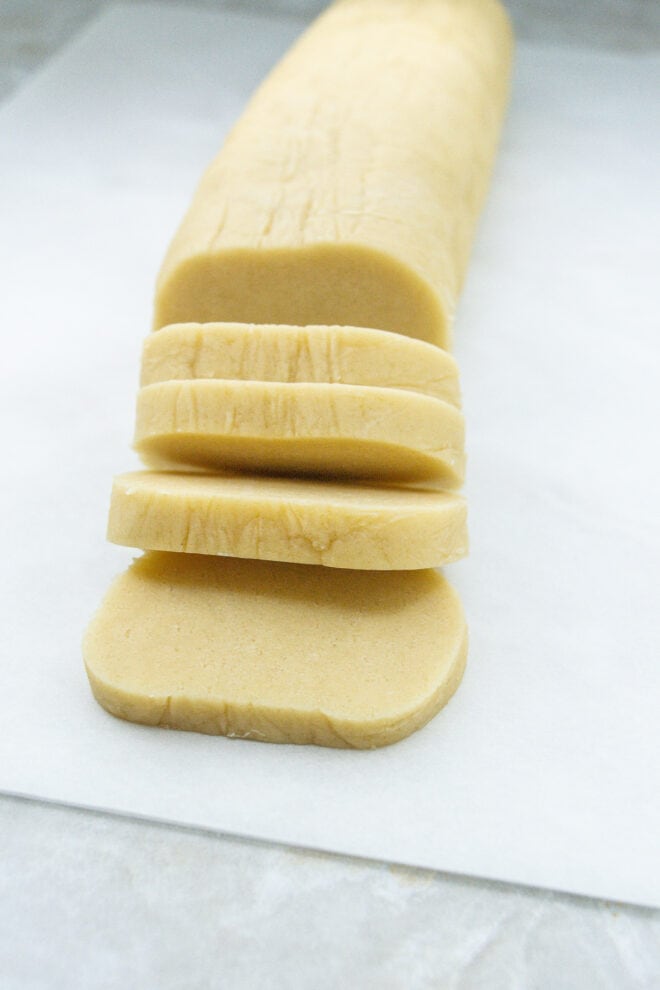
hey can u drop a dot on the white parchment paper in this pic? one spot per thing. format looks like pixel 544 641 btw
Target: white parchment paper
pixel 545 768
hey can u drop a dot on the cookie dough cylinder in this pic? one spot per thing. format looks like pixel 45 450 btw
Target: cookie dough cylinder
pixel 277 652
pixel 349 191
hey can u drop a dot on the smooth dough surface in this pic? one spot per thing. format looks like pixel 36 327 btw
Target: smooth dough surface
pixel 277 652
pixel 380 434
pixel 349 191
pixel 295 520
pixel 268 353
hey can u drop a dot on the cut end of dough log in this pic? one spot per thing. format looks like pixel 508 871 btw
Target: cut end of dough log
pixel 353 431
pixel 286 519
pixel 327 284
pixel 277 652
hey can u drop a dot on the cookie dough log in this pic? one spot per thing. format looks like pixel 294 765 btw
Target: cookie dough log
pixel 268 353
pixel 349 190
pixel 378 434
pixel 300 521
pixel 277 652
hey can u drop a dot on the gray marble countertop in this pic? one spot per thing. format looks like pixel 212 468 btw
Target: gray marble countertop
pixel 89 900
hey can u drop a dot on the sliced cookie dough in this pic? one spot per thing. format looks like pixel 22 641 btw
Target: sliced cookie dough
pixel 296 520
pixel 269 353
pixel 349 191
pixel 381 434
pixel 277 652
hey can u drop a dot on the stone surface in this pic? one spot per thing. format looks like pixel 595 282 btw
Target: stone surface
pixel 93 901
pixel 31 30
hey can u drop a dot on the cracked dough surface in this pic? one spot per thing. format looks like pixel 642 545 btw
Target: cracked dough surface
pixel 269 353
pixel 381 434
pixel 349 190
pixel 301 521
pixel 276 652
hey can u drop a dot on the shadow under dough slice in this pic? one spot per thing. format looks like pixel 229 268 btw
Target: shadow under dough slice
pixel 270 353
pixel 290 519
pixel 356 431
pixel 276 652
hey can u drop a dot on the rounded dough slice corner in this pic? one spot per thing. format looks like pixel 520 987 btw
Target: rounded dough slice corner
pixel 276 652
pixel 350 431
pixel 288 519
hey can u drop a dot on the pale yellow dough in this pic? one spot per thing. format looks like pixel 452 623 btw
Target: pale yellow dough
pixel 349 190
pixel 381 434
pixel 301 521
pixel 267 353
pixel 277 652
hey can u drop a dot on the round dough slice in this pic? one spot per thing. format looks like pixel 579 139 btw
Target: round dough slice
pixel 278 652
pixel 269 353
pixel 381 434
pixel 296 520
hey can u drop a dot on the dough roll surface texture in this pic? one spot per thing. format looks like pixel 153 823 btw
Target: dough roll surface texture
pixel 349 190
pixel 277 652
pixel 294 520
pixel 341 355
pixel 379 434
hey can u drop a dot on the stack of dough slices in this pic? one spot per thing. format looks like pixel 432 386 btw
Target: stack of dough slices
pixel 299 408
